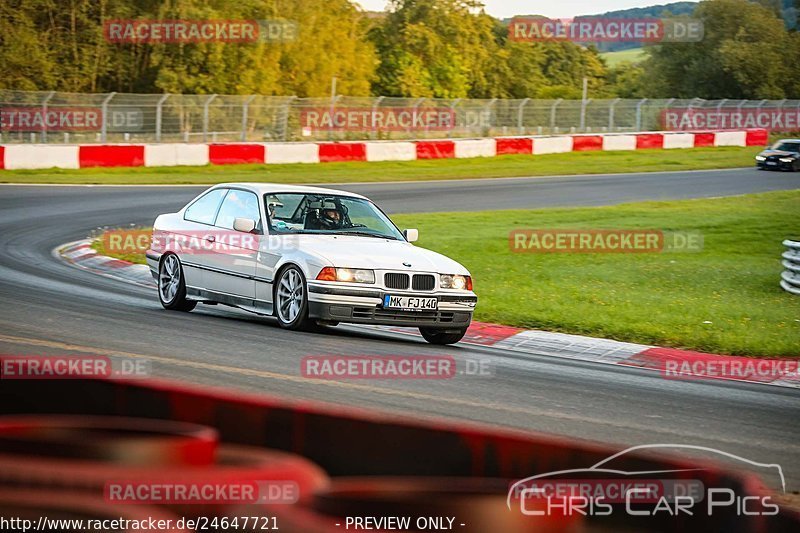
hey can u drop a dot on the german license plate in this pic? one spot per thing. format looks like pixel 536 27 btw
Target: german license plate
pixel 772 163
pixel 410 302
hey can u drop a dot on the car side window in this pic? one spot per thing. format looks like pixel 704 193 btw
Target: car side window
pixel 204 209
pixel 238 204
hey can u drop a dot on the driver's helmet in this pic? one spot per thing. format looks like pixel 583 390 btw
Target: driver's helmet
pixel 330 215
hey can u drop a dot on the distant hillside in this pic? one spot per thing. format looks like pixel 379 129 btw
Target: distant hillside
pixel 673 9
pixel 662 10
pixel 633 55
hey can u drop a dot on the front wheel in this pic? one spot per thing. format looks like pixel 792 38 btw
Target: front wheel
pixel 291 300
pixel 438 336
pixel 171 285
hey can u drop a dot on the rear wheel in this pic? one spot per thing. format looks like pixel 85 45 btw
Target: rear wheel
pixel 171 286
pixel 442 337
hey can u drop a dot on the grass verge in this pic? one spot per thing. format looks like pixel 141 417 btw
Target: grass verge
pixel 725 299
pixel 443 169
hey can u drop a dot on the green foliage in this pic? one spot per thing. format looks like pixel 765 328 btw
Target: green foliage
pixel 60 46
pixel 746 53
pixel 419 49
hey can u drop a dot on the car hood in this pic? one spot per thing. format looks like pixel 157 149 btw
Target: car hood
pixel 780 153
pixel 376 254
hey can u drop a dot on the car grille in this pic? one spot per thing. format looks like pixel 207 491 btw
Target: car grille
pixel 425 317
pixel 423 282
pixel 396 281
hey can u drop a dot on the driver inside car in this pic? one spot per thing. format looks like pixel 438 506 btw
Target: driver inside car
pixel 325 215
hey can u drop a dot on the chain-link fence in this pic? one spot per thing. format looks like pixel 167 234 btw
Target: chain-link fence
pixel 54 117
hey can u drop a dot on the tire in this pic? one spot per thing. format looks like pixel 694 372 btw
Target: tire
pixel 171 285
pixel 438 336
pixel 290 296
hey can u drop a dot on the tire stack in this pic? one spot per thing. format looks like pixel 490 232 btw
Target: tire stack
pixel 790 278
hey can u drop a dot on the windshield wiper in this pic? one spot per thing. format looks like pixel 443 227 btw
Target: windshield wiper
pixel 367 234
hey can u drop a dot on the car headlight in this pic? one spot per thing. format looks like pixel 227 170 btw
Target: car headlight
pixel 455 281
pixel 346 275
pixel 760 158
pixel 787 159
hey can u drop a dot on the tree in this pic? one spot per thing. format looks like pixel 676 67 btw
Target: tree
pixel 438 48
pixel 743 55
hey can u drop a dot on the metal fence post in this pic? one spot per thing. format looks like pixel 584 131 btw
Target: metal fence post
pixel 205 116
pixel 44 114
pixel 244 116
pixel 664 109
pixel 492 117
pixel 375 106
pixel 416 108
pixel 453 105
pixel 611 114
pixel 287 109
pixel 584 106
pixel 521 115
pixel 553 114
pixel 639 114
pixel 104 111
pixel 159 114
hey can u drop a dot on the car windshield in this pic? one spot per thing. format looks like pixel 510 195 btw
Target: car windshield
pixel 787 146
pixel 327 214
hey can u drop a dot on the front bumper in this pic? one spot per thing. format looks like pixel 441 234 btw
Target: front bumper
pixel 364 305
pixel 779 165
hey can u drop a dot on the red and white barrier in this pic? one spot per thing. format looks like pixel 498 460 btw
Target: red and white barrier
pixel 552 145
pixel 39 156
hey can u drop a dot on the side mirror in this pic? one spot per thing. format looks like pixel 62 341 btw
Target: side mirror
pixel 245 225
pixel 411 235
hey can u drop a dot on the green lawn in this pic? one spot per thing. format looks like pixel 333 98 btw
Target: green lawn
pixel 634 55
pixel 725 299
pixel 442 169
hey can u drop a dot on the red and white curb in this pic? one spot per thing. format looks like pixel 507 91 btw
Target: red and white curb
pixel 81 255
pixel 42 156
pixel 670 362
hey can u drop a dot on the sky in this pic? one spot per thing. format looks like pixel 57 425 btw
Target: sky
pixel 548 8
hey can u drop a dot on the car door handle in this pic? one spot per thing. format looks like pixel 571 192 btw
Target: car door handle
pixel 211 238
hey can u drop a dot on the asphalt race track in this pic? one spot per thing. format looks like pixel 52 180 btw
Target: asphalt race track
pixel 48 307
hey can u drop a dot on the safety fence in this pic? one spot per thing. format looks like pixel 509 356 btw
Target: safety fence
pixel 73 118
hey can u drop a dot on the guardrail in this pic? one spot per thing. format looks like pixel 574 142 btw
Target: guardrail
pixel 33 156
pixel 790 278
